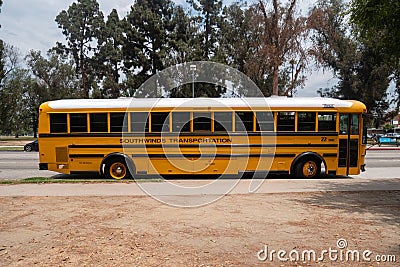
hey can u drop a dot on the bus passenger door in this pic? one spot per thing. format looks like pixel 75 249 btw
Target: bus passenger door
pixel 349 138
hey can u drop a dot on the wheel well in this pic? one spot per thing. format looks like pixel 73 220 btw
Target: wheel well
pixel 307 155
pixel 128 160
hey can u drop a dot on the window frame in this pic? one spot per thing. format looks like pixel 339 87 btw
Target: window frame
pixel 333 122
pixel 278 125
pixel 301 124
pixel 218 122
pixel 165 123
pixel 52 124
pixel 123 127
pixel 266 122
pixel 247 124
pixel 202 120
pixel 146 127
pixel 85 127
pixel 187 124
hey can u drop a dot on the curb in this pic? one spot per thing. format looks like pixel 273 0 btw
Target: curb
pixel 383 148
pixel 11 148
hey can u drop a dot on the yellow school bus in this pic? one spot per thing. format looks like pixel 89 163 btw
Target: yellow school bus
pixel 131 137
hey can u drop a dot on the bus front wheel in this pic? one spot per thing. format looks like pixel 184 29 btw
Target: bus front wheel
pixel 308 168
pixel 116 168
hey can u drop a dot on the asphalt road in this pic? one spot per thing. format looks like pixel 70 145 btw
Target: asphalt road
pixel 16 165
pixel 383 159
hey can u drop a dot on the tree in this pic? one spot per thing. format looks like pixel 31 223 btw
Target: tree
pixel 378 24
pixel 110 57
pixel 208 20
pixel 281 43
pixel 81 24
pixel 2 71
pixel 204 31
pixel 183 47
pixel 359 66
pixel 1 54
pixel 236 36
pixel 13 112
pixel 379 20
pixel 333 47
pixel 147 27
pixel 55 76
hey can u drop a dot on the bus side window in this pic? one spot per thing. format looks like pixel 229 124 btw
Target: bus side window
pixel 202 121
pixel 326 121
pixel 244 121
pixel 222 121
pixel 139 122
pixel 180 122
pixel 58 123
pixel 78 123
pixel 265 121
pixel 285 121
pixel 160 122
pixel 344 122
pixel 118 122
pixel 354 128
pixel 98 123
pixel 306 121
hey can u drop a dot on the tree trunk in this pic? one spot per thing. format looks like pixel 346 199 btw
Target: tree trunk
pixel 275 77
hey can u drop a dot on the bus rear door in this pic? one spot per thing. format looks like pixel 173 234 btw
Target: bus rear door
pixel 349 138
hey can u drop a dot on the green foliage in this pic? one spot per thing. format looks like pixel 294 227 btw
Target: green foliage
pixel 55 75
pixel 207 20
pixel 379 21
pixel 378 25
pixel 388 127
pixel 2 71
pixel 91 180
pixel 182 46
pixel 23 90
pixel 82 24
pixel 361 68
pixel 145 47
pixel 111 57
pixel 1 53
pixel 15 117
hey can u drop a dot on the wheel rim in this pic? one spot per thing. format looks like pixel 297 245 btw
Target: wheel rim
pixel 28 149
pixel 309 169
pixel 118 170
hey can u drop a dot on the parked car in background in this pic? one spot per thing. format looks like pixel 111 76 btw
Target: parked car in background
pixel 393 135
pixel 32 146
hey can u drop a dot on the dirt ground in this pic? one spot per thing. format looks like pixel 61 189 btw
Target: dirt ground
pixel 139 231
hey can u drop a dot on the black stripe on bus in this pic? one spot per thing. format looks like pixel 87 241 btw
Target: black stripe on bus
pixel 329 155
pixel 215 134
pixel 86 155
pixel 213 156
pixel 201 145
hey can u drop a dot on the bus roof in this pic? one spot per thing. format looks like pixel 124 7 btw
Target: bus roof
pixel 253 102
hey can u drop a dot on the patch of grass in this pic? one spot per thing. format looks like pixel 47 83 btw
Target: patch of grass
pixel 11 148
pixel 45 180
pixel 23 138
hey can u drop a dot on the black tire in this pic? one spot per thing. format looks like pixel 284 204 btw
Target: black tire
pixel 308 168
pixel 116 168
pixel 28 148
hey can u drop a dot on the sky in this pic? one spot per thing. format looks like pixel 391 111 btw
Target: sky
pixel 30 25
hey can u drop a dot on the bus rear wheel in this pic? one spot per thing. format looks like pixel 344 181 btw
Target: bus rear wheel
pixel 116 168
pixel 308 168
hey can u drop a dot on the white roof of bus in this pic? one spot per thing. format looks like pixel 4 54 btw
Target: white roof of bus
pixel 315 102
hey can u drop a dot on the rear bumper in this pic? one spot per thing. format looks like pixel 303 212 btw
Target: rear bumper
pixel 43 166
